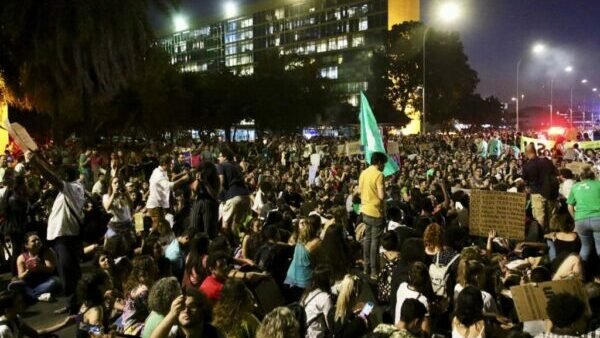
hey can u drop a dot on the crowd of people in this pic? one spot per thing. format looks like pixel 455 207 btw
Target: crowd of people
pixel 290 238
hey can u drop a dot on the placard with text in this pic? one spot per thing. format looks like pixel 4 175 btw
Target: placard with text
pixel 497 210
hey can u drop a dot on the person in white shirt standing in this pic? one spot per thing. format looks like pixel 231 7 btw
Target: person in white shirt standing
pixel 159 194
pixel 64 220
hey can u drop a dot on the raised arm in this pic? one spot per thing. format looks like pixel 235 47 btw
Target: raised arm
pixel 40 163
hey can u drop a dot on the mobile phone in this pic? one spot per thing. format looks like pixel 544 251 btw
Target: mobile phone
pixel 366 310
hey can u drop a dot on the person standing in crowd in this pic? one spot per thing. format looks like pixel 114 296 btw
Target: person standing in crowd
pixel 372 195
pixel 541 175
pixel 160 192
pixel 204 216
pixel 118 203
pixel 64 221
pixel 234 194
pixel 584 206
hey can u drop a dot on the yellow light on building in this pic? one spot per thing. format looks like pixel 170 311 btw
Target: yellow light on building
pixel 400 11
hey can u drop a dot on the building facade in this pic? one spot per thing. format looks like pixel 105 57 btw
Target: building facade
pixel 340 34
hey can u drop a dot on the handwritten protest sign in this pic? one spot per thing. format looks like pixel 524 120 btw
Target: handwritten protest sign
pixel 353 148
pixel 531 299
pixel 321 148
pixel 21 137
pixel 341 149
pixel 139 221
pixel 497 210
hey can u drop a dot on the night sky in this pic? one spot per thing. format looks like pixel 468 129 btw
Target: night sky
pixel 497 33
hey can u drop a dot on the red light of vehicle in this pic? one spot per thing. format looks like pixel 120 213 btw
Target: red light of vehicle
pixel 553 131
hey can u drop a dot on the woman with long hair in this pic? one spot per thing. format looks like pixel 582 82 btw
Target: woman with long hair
pixel 471 272
pixel 118 203
pixel 279 323
pixel 92 317
pixel 235 302
pixel 347 320
pixel 317 302
pixel 195 262
pixel 418 287
pixel 205 208
pixel 299 273
pixel 468 319
pixel 141 278
pixel 334 252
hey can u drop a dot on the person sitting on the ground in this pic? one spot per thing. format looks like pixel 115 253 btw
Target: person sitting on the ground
pixel 236 302
pixel 568 318
pixel 92 318
pixel 12 306
pixel 192 314
pixel 161 297
pixel 36 267
pixel 411 321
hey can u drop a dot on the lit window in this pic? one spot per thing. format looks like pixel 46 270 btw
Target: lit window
pixel 322 46
pixel 277 41
pixel 358 40
pixel 330 73
pixel 310 47
pixel 363 24
pixel 246 23
pixel 332 44
pixel 279 13
pixel 342 42
pixel 337 14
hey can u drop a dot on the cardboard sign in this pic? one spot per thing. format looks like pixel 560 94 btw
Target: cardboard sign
pixel 139 221
pixel 321 148
pixel 497 210
pixel 353 148
pixel 341 149
pixel 21 137
pixel 577 167
pixel 531 299
pixel 393 148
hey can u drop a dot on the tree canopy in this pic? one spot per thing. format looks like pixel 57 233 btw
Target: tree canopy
pixel 450 81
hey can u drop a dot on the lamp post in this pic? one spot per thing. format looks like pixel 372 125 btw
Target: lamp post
pixel 447 13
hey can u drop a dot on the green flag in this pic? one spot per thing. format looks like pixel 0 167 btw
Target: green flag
pixel 370 138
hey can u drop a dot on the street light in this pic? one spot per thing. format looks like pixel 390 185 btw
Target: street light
pixel 231 9
pixel 568 69
pixel 180 22
pixel 539 48
pixel 447 12
pixel 584 81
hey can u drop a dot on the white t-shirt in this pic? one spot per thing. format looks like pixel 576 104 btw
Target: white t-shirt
pixel 61 221
pixel 489 304
pixel 160 189
pixel 317 303
pixel 405 293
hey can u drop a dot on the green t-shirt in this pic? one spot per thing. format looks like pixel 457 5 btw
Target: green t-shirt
pixel 585 196
pixel 152 321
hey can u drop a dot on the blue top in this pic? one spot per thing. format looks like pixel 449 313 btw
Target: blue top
pixel 300 271
pixel 176 256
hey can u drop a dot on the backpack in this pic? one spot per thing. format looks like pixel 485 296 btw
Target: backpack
pixel 439 275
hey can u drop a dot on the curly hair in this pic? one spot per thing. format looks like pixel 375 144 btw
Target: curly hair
pixel 235 300
pixel 279 323
pixel 432 237
pixel 145 271
pixel 162 294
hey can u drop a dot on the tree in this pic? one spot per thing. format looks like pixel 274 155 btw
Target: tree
pixel 398 72
pixel 476 110
pixel 64 56
pixel 288 93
